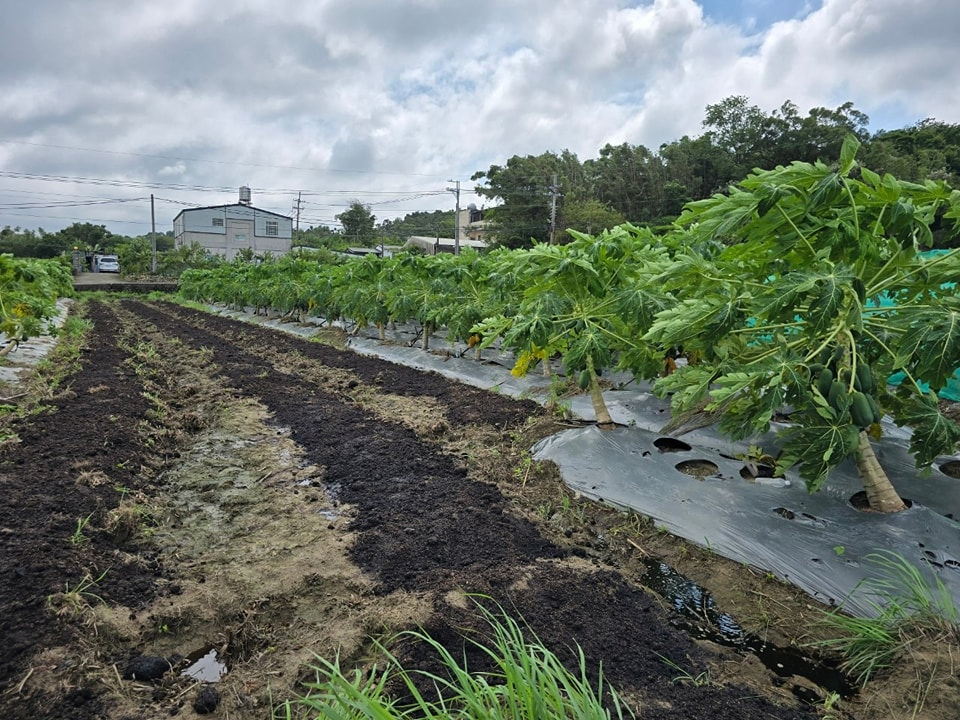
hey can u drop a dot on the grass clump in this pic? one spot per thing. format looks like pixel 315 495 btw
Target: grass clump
pixel 907 610
pixel 527 682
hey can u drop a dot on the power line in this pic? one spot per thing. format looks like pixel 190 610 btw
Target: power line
pixel 65 204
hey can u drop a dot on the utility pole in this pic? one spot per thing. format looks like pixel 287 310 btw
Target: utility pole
pixel 298 202
pixel 456 220
pixel 553 210
pixel 153 238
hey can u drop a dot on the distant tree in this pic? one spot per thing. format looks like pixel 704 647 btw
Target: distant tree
pixel 30 243
pixel 524 187
pixel 87 236
pixel 358 223
pixel 436 223
pixel 590 217
pixel 628 179
pixel 320 236
pixel 932 147
pixel 697 167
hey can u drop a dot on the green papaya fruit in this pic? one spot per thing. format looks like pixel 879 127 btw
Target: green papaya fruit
pixel 584 381
pixel 865 378
pixel 860 289
pixel 837 397
pixel 860 410
pixel 875 408
pixel 825 381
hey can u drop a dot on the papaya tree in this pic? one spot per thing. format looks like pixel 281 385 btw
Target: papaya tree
pixel 29 289
pixel 585 302
pixel 472 296
pixel 818 290
pixel 420 292
pixel 365 284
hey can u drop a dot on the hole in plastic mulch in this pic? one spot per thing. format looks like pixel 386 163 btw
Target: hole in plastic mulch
pixel 860 502
pixel 669 444
pixel 699 469
pixel 950 469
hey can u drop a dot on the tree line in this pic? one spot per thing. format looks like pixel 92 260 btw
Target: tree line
pixel 537 198
pixel 632 183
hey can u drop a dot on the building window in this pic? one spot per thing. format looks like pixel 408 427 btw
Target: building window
pixel 218 222
pixel 273 228
pixel 240 238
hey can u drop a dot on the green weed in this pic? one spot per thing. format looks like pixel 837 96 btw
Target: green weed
pixel 74 600
pixel 906 609
pixel 528 681
pixel 78 538
pixel 684 677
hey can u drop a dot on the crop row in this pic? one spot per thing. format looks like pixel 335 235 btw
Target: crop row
pixel 754 292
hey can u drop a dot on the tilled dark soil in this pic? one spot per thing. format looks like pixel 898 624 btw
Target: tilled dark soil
pixel 424 521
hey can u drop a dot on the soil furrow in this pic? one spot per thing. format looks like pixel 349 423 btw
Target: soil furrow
pixel 290 513
pixel 423 526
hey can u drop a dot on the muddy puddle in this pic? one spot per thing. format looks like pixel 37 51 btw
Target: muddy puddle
pixel 697 613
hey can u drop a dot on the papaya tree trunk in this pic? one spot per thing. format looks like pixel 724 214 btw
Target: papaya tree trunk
pixel 547 371
pixel 604 421
pixel 880 492
pixel 383 331
pixel 425 340
pixel 477 351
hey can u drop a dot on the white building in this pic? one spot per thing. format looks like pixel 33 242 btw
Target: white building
pixel 436 245
pixel 225 230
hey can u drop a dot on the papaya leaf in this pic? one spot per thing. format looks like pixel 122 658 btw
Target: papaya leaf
pixel 931 343
pixel 688 386
pixel 848 153
pixel 826 302
pixel 870 177
pixel 698 322
pixel 933 433
pixel 819 444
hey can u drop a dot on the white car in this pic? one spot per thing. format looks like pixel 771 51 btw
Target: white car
pixel 108 263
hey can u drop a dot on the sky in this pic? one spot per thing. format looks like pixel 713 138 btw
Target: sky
pixel 395 102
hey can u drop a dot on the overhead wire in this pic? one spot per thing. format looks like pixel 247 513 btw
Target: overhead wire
pixel 218 162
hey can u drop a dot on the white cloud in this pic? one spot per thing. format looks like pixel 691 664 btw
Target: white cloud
pixel 401 96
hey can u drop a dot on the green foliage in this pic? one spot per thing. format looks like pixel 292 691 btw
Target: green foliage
pixel 907 608
pixel 527 681
pixel 358 223
pixel 27 243
pixel 135 256
pixel 171 263
pixel 438 223
pixel 320 237
pixel 815 260
pixel 29 290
